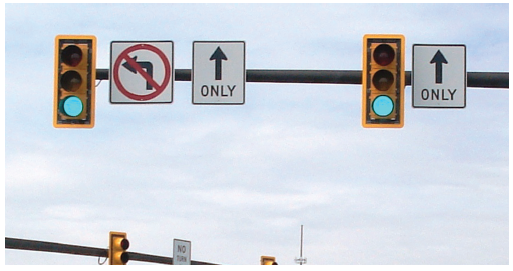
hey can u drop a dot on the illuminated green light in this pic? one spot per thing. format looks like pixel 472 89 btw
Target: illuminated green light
pixel 383 106
pixel 72 106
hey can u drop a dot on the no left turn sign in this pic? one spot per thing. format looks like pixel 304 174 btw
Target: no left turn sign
pixel 141 72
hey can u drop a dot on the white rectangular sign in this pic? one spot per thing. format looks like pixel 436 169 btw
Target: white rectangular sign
pixel 218 72
pixel 181 252
pixel 439 76
pixel 141 72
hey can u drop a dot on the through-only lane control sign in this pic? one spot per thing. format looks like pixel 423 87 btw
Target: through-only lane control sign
pixel 141 72
pixel 439 76
pixel 218 72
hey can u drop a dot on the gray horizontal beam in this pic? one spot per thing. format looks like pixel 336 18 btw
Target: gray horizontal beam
pixel 474 79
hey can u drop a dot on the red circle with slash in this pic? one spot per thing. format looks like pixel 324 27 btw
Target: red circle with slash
pixel 158 88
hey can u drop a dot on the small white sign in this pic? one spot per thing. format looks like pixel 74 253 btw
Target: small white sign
pixel 218 72
pixel 181 252
pixel 439 76
pixel 141 72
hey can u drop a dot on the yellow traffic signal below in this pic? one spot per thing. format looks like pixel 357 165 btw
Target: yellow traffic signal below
pixel 383 81
pixel 268 260
pixel 75 75
pixel 118 244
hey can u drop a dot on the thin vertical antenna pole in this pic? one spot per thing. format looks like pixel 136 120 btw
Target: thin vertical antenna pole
pixel 301 251
pixel 301 260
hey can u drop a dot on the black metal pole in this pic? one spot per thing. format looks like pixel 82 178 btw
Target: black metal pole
pixel 474 79
pixel 15 243
pixel 488 79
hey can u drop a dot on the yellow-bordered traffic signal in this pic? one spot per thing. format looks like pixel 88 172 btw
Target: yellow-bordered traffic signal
pixel 118 244
pixel 383 81
pixel 74 87
pixel 268 260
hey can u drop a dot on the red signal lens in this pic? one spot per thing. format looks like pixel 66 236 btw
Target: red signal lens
pixel 384 54
pixel 71 55
pixel 124 244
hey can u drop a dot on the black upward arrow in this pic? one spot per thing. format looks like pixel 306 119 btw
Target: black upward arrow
pixel 218 56
pixel 145 65
pixel 438 59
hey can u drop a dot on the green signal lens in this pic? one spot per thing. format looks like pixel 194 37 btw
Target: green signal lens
pixel 383 106
pixel 124 257
pixel 72 106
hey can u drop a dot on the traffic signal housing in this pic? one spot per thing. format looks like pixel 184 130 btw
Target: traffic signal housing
pixel 268 260
pixel 74 86
pixel 118 244
pixel 383 81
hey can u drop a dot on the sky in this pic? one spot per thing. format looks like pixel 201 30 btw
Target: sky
pixel 238 181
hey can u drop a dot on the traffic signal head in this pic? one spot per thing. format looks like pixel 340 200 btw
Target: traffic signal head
pixel 383 81
pixel 118 244
pixel 75 75
pixel 268 260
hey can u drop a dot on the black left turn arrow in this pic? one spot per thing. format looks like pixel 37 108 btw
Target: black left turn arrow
pixel 148 66
pixel 438 59
pixel 218 56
